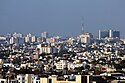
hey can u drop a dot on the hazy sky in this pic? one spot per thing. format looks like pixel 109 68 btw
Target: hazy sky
pixel 61 17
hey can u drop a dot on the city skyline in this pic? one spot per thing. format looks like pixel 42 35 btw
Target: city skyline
pixel 100 34
pixel 62 41
pixel 63 18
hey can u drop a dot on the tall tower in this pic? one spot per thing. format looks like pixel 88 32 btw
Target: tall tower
pixel 110 33
pixel 82 25
pixel 99 34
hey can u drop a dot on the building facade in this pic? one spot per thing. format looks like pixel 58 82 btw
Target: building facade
pixel 109 34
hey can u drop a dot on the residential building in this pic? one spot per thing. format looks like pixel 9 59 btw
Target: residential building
pixel 44 35
pixel 61 64
pixel 21 78
pixel 68 79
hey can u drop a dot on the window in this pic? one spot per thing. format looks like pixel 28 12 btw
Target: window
pixel 71 78
pixel 22 78
pixel 2 81
pixel 50 80
pixel 13 81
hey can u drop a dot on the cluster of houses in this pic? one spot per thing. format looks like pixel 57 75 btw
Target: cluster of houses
pixel 81 59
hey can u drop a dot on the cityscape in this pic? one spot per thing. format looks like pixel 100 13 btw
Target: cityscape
pixel 62 41
pixel 80 59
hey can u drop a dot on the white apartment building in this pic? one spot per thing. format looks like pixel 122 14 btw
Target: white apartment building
pixel 61 64
pixel 21 78
pixel 35 79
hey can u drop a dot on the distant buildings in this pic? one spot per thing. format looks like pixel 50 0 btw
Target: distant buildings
pixel 108 34
pixel 81 59
pixel 103 34
pixel 44 35
pixel 114 34
pixel 86 38
pixel 15 38
pixel 61 64
pixel 68 79
pixel 28 78
pixel 30 38
pixel 45 48
pixel 2 39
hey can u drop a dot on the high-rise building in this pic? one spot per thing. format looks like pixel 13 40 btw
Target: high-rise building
pixel 16 40
pixel 19 35
pixel 103 34
pixel 28 78
pixel 30 38
pixel 116 34
pixel 86 38
pixel 109 34
pixel 44 35
pixel 33 39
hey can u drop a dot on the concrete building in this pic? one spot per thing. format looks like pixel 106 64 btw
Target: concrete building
pixel 86 38
pixel 3 81
pixel 30 38
pixel 109 34
pixel 19 35
pixel 116 34
pixel 28 78
pixel 44 35
pixel 13 40
pixel 50 40
pixel 103 34
pixel 3 39
pixel 46 49
pixel 61 64
pixel 69 79
pixel 35 79
pixel 33 39
pixel 21 78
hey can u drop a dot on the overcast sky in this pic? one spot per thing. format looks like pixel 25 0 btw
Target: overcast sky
pixel 61 17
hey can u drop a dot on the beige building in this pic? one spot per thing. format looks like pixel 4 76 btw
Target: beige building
pixel 33 39
pixel 78 79
pixel 86 38
pixel 47 49
pixel 30 38
pixel 28 78
pixel 50 40
pixel 1 61
pixel 44 49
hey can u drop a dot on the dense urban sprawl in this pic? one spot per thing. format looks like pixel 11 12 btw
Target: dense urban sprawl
pixel 81 59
